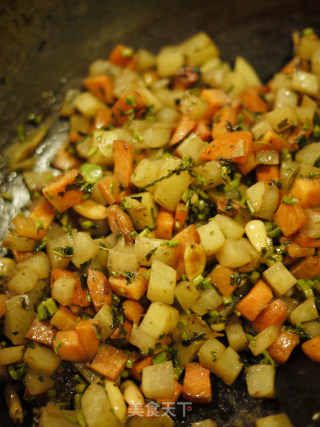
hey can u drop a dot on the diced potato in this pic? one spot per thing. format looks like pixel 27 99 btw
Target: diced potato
pixel 88 104
pixel 315 62
pixel 280 80
pixel 97 408
pixel 209 300
pixel 192 147
pixel 150 134
pixel 307 46
pixel 169 61
pixel 142 210
pixel 247 72
pixel 305 82
pixel 227 366
pixel 146 59
pixel 312 226
pixel 122 258
pixel 210 172
pixel 304 312
pixel 84 248
pixel 264 339
pixel 230 228
pixel 236 336
pixel 193 106
pixel 279 278
pixel 234 84
pixel 199 49
pixel 312 327
pixel 282 118
pixel 285 98
pixel 18 320
pixel 53 416
pixel 23 281
pixel 105 319
pixel 269 202
pixel 305 115
pixel 146 343
pixel 11 354
pixel 36 383
pixel 159 319
pixel 260 381
pixel 162 283
pixel 38 263
pixel 278 420
pixel 63 290
pixel 145 173
pixel 260 127
pixel 12 241
pixel 33 179
pixel 187 294
pixel 7 267
pixel 205 423
pixel 210 352
pixel 168 192
pixel 268 157
pixel 42 359
pixel 211 237
pixel 158 380
pixel 234 253
pixel 117 401
pixel 308 154
pixel 187 354
pixel 255 195
pixel 257 234
pixel 149 249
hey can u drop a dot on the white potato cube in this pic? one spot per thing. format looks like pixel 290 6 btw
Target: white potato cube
pixel 260 381
pixel 285 98
pixel 162 283
pixel 187 294
pixel 305 82
pixel 84 248
pixel 247 72
pixel 255 195
pixel 278 420
pixel 199 49
pixel 105 319
pixel 145 173
pixel 88 104
pixel 209 299
pixel 42 359
pixel 211 237
pixel 279 278
pixel 122 258
pixel 210 172
pixel 236 336
pixel 282 118
pixel 17 320
pixel 11 354
pixel 192 146
pixel 158 380
pixel 304 312
pixel 38 263
pixel 264 339
pixel 159 319
pixel 230 228
pixel 36 383
pixel 234 253
pixel 63 290
pixel 210 352
pixel 169 61
pixel 227 367
pixel 142 210
pixel 148 249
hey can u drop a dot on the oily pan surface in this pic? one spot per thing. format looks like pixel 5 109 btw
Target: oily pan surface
pixel 47 48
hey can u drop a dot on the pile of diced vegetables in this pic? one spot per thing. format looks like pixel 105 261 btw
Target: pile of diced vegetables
pixel 176 236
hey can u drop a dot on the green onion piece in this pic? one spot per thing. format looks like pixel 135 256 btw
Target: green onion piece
pixel 182 323
pixel 51 306
pixel 127 52
pixel 305 287
pixel 51 392
pixel 70 418
pixel 131 100
pixel 160 358
pixel 251 208
pixel 42 312
pixel 92 173
pixel 80 388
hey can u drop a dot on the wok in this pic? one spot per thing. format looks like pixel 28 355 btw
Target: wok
pixel 45 47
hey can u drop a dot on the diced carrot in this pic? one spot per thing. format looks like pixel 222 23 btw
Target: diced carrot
pixel 296 135
pixel 102 118
pixel 69 347
pixel 133 103
pixel 109 188
pixel 291 66
pixel 134 290
pixel 267 173
pixel 215 99
pixel 296 251
pixel 312 348
pixel 254 302
pixel 252 100
pixel 99 289
pixel 180 217
pixel 305 241
pixel 227 206
pixel 221 277
pixel 63 319
pixel 137 368
pixel 43 212
pixel 274 314
pixel 20 256
pixel 133 64
pixel 289 218
pixel 121 55
pixel 41 332
pixel 120 222
pixel 308 268
pixel 222 120
pixel 100 86
pixel 87 331
pixel 283 346
pixel 109 361
pixel 3 304
pixel 271 140
pixel 196 384
pixel 165 223
pixel 202 130
pixel 250 164
pixel 184 127
pixel 61 194
pixel 133 310
pixel 187 236
pixel 123 161
pixel 169 401
pixel 235 146
pixel 27 227
pixel 64 160
pixel 80 295
pixel 122 332
pixel 307 191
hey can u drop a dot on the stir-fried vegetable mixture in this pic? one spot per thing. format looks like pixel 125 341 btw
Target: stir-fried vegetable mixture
pixel 179 239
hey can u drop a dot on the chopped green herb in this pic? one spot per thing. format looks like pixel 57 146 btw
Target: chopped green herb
pixel 289 200
pixel 65 252
pixel 92 173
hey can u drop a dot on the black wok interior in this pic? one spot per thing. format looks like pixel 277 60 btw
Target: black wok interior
pixel 46 47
